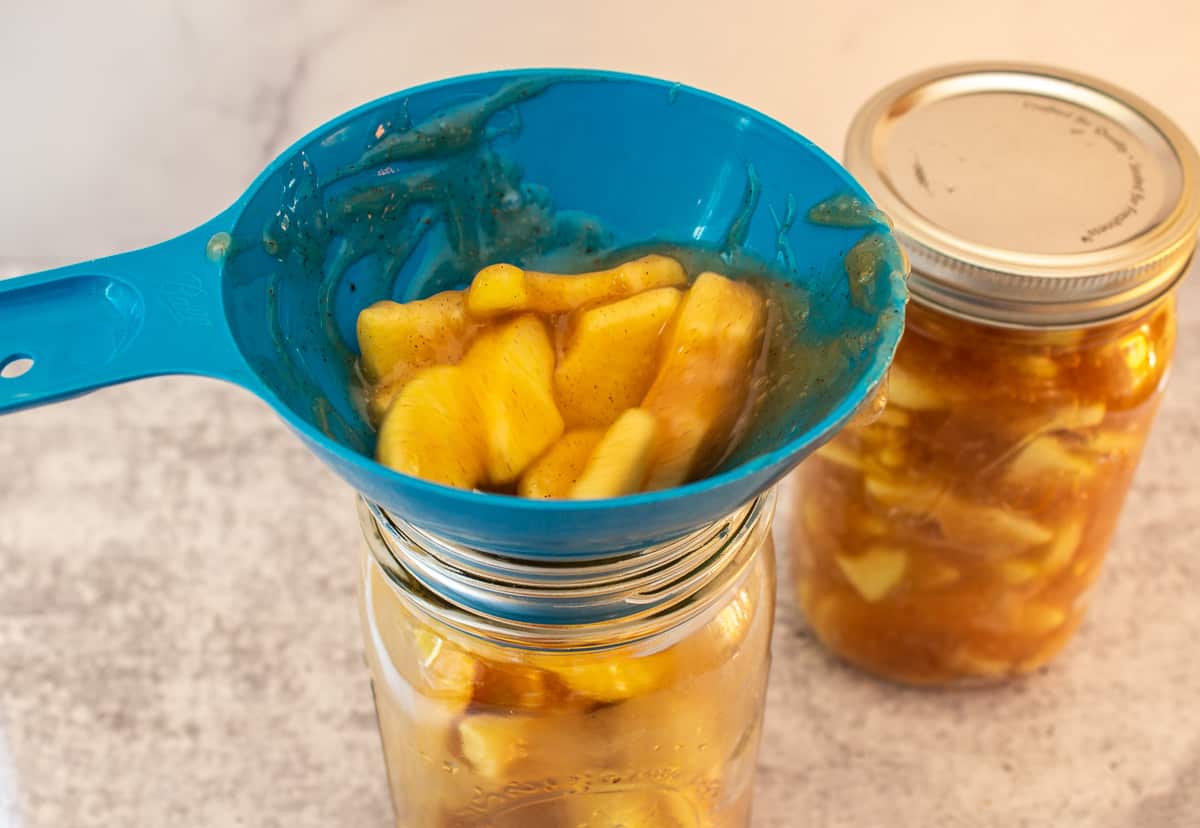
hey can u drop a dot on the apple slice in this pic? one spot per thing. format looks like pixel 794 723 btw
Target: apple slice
pixel 503 288
pixel 610 679
pixel 610 359
pixel 702 384
pixel 618 463
pixel 397 339
pixel 511 368
pixel 554 473
pixel 493 743
pixel 433 430
pixel 875 573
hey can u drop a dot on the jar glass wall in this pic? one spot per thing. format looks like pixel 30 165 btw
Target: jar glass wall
pixel 648 714
pixel 957 536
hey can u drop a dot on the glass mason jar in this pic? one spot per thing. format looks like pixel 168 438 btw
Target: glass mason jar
pixel 957 536
pixel 625 691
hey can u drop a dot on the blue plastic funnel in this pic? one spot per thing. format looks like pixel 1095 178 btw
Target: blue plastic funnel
pixel 414 192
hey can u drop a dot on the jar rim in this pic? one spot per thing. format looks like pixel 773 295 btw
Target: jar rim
pixel 594 604
pixel 1007 184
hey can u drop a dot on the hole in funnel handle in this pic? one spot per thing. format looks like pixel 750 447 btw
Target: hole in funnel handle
pixel 17 365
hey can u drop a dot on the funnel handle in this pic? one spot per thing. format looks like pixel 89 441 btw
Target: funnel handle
pixel 159 310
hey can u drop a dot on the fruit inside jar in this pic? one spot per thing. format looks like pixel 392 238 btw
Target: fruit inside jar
pixel 956 537
pixel 656 729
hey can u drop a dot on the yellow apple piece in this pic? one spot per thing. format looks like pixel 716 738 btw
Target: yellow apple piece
pixel 1076 415
pixel 618 464
pixel 450 674
pixel 915 393
pixel 610 678
pixel 496 290
pixel 978 665
pixel 610 359
pixel 1132 364
pixel 708 359
pixel 1062 549
pixel 554 473
pixel 1018 571
pixel 989 529
pixel 915 497
pixel 1036 366
pixel 1040 619
pixel 515 747
pixel 610 681
pixel 398 338
pixel 511 368
pixel 1046 457
pixel 1057 555
pixel 503 288
pixel 433 430
pixel 493 743
pixel 875 573
pixel 1107 443
pixel 839 454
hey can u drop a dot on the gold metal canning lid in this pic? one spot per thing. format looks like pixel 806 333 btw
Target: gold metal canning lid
pixel 1027 196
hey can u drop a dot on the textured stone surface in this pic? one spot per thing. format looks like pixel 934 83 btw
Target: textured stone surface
pixel 178 639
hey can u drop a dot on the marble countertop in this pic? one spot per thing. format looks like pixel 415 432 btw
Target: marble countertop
pixel 178 637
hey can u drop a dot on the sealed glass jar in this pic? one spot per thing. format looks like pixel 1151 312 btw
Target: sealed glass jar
pixel 1048 218
pixel 624 691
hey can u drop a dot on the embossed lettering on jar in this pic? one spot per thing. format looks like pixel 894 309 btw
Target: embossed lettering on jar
pixel 1049 218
